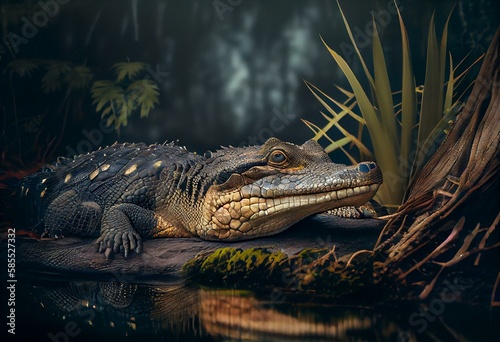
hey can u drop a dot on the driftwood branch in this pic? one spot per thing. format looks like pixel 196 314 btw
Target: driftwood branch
pixel 165 257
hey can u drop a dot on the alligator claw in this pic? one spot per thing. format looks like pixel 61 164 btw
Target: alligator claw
pixel 108 253
pixel 112 242
pixel 133 245
pixel 139 248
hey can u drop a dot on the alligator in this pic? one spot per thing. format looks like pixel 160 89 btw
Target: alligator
pixel 126 192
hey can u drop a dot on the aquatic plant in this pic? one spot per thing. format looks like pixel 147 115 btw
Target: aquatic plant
pixel 405 126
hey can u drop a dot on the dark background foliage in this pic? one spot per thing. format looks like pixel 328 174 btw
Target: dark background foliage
pixel 229 72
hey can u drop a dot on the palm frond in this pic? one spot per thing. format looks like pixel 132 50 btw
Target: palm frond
pixel 128 70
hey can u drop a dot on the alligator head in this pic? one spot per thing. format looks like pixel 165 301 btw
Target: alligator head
pixel 262 190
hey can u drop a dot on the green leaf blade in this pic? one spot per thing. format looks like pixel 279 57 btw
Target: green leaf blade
pixel 383 91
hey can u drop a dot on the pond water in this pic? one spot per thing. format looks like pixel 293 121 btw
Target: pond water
pixel 83 310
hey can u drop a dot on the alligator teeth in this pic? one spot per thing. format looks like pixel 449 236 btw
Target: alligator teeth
pixel 361 189
pixel 341 194
pixel 279 207
pixel 374 187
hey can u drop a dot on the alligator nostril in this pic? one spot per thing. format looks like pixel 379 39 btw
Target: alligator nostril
pixel 367 167
pixel 364 168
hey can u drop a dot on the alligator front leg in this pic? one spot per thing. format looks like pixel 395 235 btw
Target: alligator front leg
pixel 121 229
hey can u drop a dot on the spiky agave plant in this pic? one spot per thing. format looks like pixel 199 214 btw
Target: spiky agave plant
pixel 405 126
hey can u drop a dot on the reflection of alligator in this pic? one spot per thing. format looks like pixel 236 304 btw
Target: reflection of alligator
pixel 101 308
pixel 106 310
pixel 132 191
pixel 136 310
pixel 241 316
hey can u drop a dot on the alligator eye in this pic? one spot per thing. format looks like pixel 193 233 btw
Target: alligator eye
pixel 277 157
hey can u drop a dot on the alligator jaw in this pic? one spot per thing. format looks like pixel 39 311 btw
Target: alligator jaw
pixel 257 216
pixel 264 200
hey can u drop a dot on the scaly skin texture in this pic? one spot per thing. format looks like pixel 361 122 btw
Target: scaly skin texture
pixel 127 192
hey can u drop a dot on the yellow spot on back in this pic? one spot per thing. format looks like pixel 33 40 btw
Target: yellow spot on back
pixel 105 167
pixel 157 164
pixel 43 192
pixel 131 169
pixel 44 180
pixel 68 177
pixel 94 174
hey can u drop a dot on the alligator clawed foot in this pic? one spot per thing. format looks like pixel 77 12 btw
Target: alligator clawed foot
pixel 111 243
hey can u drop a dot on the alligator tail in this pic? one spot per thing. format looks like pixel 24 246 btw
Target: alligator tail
pixel 22 202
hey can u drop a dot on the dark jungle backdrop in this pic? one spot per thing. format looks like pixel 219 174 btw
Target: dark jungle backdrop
pixel 214 72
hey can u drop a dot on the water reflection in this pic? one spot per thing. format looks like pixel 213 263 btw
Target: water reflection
pixel 241 316
pixel 95 309
pixel 83 310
